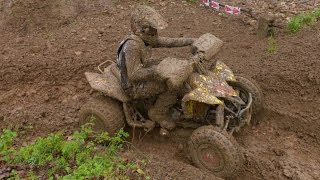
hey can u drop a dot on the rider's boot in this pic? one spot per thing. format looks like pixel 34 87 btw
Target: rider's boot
pixel 160 111
pixel 164 120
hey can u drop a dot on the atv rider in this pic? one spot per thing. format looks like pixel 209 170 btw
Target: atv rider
pixel 139 79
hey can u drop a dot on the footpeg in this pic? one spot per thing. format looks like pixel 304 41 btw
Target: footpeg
pixel 164 132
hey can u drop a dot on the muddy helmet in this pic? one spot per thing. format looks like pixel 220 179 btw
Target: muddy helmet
pixel 145 16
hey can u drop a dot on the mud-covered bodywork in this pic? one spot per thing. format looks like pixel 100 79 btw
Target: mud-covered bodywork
pixel 208 88
pixel 175 71
pixel 223 71
pixel 211 100
pixel 211 89
pixel 208 45
pixel 107 83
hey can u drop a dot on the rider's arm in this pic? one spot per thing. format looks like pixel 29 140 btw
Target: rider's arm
pixel 135 69
pixel 174 42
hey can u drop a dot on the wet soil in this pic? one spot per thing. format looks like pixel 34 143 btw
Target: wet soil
pixel 46 46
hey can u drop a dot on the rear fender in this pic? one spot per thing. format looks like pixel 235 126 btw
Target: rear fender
pixel 107 83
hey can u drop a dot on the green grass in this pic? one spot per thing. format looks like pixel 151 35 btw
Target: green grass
pixel 308 18
pixel 272 45
pixel 75 157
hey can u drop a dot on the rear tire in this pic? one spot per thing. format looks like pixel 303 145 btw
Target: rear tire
pixel 105 113
pixel 212 149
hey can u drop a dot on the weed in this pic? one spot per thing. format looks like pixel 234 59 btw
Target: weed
pixel 294 25
pixel 272 45
pixel 316 13
pixel 308 18
pixel 75 157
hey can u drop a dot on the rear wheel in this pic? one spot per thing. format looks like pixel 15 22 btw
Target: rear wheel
pixel 212 149
pixel 105 113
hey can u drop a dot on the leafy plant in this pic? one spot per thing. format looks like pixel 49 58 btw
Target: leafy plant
pixel 75 157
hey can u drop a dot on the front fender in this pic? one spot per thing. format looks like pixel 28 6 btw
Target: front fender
pixel 197 95
pixel 202 95
pixel 211 84
pixel 206 89
pixel 223 71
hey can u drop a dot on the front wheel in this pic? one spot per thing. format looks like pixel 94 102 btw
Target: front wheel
pixel 245 86
pixel 105 113
pixel 212 149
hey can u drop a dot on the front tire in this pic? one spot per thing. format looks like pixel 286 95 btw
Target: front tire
pixel 212 149
pixel 246 86
pixel 105 113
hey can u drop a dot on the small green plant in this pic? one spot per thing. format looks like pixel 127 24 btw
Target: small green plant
pixel 192 1
pixel 272 45
pixel 316 13
pixel 75 157
pixel 308 18
pixel 294 25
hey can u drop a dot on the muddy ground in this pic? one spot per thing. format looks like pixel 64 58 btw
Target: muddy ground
pixel 46 46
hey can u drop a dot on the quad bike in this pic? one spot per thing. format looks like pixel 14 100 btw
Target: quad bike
pixel 215 103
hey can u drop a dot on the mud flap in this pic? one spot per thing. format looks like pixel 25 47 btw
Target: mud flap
pixel 108 84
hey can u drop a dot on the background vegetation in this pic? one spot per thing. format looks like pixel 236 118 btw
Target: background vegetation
pixel 83 155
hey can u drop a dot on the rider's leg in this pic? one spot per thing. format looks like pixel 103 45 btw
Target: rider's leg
pixel 160 110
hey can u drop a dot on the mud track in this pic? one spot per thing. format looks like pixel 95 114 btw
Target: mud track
pixel 45 51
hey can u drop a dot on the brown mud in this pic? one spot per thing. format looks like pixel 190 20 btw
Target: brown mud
pixel 46 46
